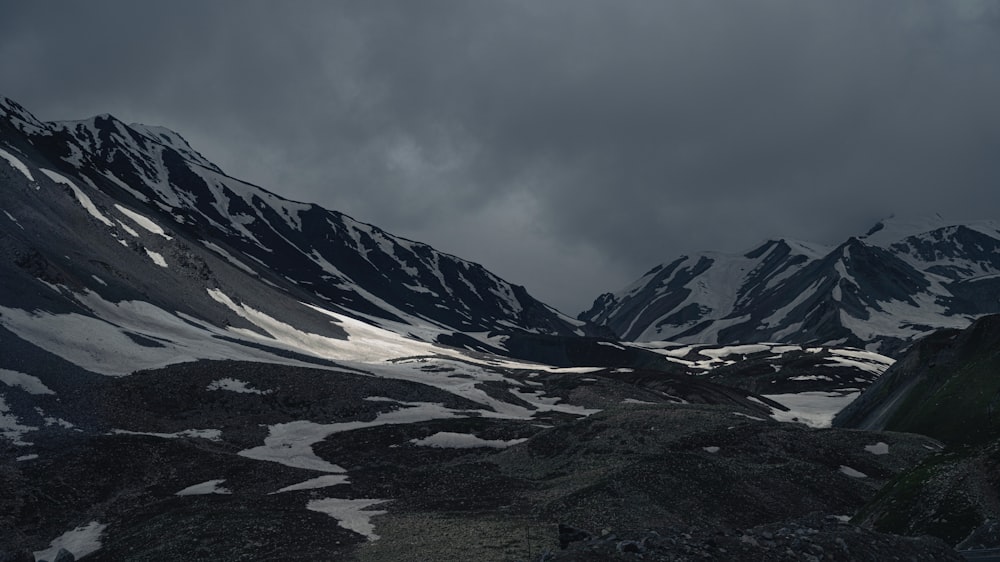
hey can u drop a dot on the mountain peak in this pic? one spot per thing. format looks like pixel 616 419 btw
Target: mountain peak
pixel 19 117
pixel 174 140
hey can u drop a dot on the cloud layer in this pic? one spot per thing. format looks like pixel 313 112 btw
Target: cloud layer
pixel 568 145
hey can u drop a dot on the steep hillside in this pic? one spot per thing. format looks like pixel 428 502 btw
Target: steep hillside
pixel 149 189
pixel 947 387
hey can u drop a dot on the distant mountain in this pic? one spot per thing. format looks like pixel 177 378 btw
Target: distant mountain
pixel 900 280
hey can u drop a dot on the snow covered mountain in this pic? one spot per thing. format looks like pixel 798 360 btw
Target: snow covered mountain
pixel 899 281
pixel 193 368
pixel 149 189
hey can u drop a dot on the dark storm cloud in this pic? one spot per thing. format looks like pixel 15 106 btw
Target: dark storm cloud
pixel 567 145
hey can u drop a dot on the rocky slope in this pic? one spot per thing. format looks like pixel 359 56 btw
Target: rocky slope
pixel 70 187
pixel 250 461
pixel 945 387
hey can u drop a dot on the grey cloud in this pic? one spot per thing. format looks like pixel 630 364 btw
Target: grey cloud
pixel 567 145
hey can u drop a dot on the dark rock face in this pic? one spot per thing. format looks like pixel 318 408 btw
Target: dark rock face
pixel 945 387
pixel 882 290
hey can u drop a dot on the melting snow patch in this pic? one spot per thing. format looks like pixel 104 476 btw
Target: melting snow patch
pixel 11 217
pixel 30 457
pixel 352 515
pixel 815 409
pixel 851 472
pixel 27 383
pixel 748 416
pixel 634 401
pixel 127 228
pixel 879 448
pixel 229 257
pixel 210 434
pixel 319 482
pixel 234 385
pixel 81 541
pixel 80 196
pixel 209 487
pixel 610 344
pixel 291 443
pixel 16 164
pixel 143 222
pixel 713 449
pixel 10 426
pixel 450 440
pixel 157 258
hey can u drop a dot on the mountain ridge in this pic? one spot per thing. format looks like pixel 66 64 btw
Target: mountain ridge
pixel 880 290
pixel 358 268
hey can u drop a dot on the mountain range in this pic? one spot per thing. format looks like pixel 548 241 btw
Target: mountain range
pixel 195 368
pixel 880 291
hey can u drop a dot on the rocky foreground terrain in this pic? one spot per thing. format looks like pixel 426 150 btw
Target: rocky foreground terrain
pixel 171 464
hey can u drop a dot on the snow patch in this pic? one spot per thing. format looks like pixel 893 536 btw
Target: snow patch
pixel 210 434
pixel 27 383
pixel 352 515
pixel 880 448
pixel 815 409
pixel 315 483
pixel 80 196
pixel 844 469
pixel 10 425
pixel 450 440
pixel 16 164
pixel 11 217
pixel 234 385
pixel 157 258
pixel 80 541
pixel 143 221
pixel 209 487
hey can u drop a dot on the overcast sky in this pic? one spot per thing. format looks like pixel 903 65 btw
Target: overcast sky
pixel 567 145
